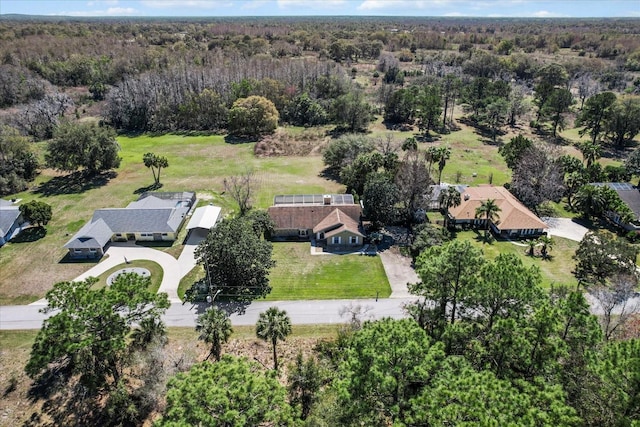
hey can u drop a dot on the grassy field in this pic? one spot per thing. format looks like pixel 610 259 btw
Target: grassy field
pixel 200 163
pixel 196 163
pixel 556 270
pixel 300 275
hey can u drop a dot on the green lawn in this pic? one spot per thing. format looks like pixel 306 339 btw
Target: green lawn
pixel 194 275
pixel 557 270
pixel 300 275
pixel 196 163
pixel 154 268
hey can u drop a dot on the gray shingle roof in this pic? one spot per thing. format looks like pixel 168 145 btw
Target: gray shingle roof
pixel 8 216
pixel 94 234
pixel 627 192
pixel 151 213
pixel 163 220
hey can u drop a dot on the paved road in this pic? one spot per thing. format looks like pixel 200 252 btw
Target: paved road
pixel 300 312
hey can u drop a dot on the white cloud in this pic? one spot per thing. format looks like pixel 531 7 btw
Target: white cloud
pixel 185 4
pixel 112 11
pixel 546 14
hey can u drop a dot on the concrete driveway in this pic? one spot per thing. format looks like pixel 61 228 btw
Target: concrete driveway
pixel 174 269
pixel 565 227
pixel 399 272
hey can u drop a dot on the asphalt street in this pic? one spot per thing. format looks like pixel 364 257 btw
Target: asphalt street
pixel 300 312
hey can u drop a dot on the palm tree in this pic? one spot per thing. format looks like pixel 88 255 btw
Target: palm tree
pixel 441 155
pixel 150 330
pixel 547 244
pixel 591 151
pixel 590 201
pixel 273 325
pixel 215 329
pixel 448 199
pixel 489 210
pixel 532 246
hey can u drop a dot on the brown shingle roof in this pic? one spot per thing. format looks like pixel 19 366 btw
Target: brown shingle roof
pixel 513 215
pixel 308 217
pixel 336 222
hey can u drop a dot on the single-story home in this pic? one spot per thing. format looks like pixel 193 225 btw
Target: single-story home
pixel 10 221
pixel 514 218
pixel 331 220
pixel 630 195
pixel 153 217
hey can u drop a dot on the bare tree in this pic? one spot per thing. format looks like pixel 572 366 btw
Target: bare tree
pixel 617 301
pixel 242 189
pixel 413 181
pixel 538 176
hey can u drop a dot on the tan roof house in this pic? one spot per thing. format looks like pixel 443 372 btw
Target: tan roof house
pixel 514 219
pixel 331 219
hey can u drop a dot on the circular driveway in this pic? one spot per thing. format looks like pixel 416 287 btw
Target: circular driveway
pixel 565 227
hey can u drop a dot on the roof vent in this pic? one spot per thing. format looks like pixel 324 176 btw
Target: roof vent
pixel 326 199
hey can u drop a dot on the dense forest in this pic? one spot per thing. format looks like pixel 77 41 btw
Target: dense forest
pixel 484 344
pixel 185 75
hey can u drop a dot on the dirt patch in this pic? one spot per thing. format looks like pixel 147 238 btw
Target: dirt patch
pixel 282 143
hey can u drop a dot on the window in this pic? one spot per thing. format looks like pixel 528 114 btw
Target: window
pixel 92 250
pixel 78 251
pixel 353 240
pixel 302 233
pixel 336 240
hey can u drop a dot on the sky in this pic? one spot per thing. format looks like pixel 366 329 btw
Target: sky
pixel 483 8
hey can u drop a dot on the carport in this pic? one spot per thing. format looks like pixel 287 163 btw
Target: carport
pixel 203 219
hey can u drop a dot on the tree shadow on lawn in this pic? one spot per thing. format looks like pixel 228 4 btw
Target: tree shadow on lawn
pixel 67 259
pixel 74 183
pixel 330 175
pixel 230 139
pixel 151 187
pixel 30 234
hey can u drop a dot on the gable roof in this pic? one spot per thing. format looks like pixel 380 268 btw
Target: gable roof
pixel 8 216
pixel 337 222
pixel 307 217
pixel 94 234
pixel 512 216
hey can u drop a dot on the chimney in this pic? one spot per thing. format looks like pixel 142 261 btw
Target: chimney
pixel 466 196
pixel 326 199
